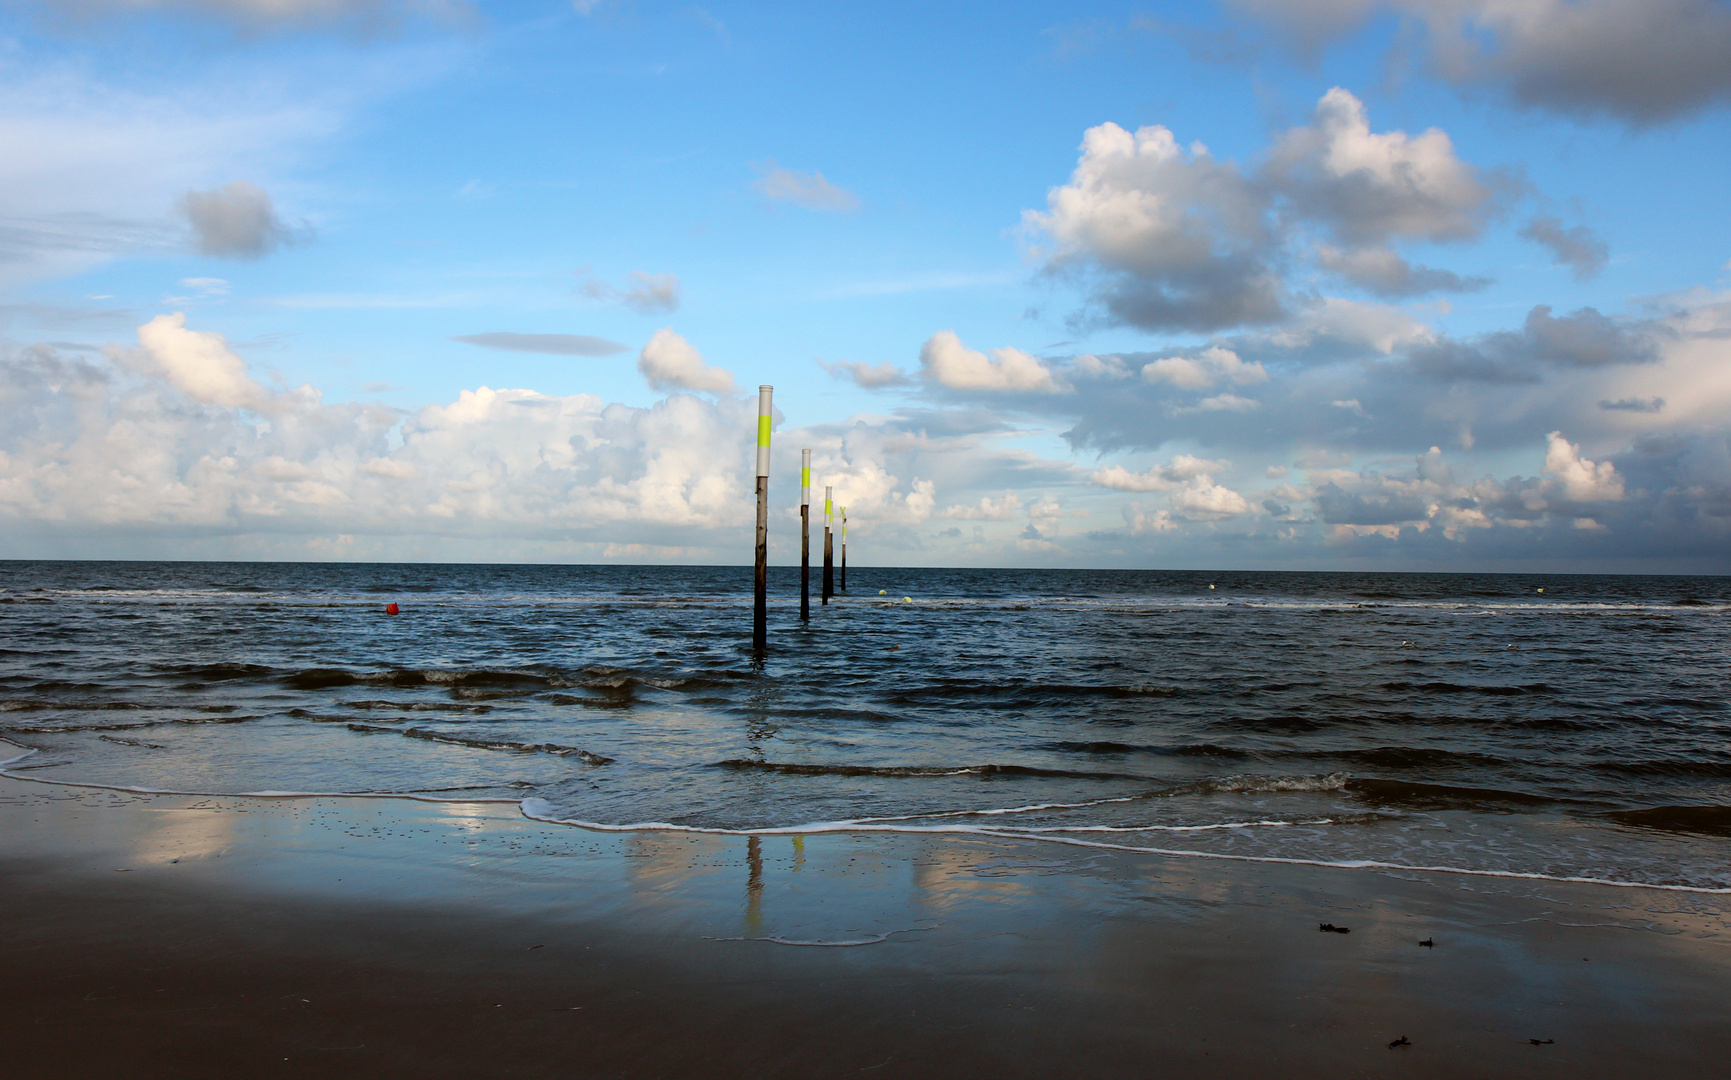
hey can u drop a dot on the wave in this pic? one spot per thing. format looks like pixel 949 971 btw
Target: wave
pixel 1026 693
pixel 1258 783
pixel 1103 746
pixel 624 700
pixel 1715 770
pixel 1411 795
pixel 326 678
pixel 122 741
pixel 487 744
pixel 223 672
pixel 1491 689
pixel 67 729
pixel 417 706
pixel 28 705
pixel 1408 757
pixel 795 769
pixel 1697 820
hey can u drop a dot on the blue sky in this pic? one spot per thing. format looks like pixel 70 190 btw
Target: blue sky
pixel 1041 284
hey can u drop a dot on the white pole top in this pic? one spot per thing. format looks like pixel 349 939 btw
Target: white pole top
pixel 805 478
pixel 764 411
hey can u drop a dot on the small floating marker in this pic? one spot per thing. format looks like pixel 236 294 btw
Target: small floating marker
pixel 907 599
pixel 883 592
pixel 391 608
pixel 1211 586
pixel 1539 589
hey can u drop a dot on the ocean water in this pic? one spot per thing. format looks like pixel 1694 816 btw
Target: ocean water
pixel 1548 726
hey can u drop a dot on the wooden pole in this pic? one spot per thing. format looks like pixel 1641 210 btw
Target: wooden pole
pixel 805 535
pixel 844 549
pixel 828 547
pixel 760 607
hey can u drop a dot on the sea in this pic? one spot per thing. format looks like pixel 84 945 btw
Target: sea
pixel 1487 725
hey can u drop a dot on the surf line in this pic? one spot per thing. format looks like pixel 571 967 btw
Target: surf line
pixel 404 795
pixel 542 811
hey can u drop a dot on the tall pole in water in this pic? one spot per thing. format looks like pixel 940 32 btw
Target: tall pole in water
pixel 804 535
pixel 760 608
pixel 844 549
pixel 828 547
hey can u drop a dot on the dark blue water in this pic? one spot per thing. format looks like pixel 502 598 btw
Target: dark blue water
pixel 1569 726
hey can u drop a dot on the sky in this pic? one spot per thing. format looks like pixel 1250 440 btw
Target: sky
pixel 1336 285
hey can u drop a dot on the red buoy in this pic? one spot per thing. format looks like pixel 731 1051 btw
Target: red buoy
pixel 391 608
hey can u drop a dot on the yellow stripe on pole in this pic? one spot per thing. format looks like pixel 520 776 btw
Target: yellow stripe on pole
pixel 763 431
pixel 805 476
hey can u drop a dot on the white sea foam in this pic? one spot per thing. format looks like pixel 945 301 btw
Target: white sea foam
pixel 1034 808
pixel 843 943
pixel 541 810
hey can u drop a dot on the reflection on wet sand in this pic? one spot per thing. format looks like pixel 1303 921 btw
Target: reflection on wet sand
pixel 171 834
pixel 754 886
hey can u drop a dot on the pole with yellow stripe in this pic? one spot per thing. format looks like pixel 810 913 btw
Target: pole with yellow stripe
pixel 760 609
pixel 828 546
pixel 844 549
pixel 804 535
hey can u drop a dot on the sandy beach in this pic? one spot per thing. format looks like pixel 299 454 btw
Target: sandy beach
pixel 149 935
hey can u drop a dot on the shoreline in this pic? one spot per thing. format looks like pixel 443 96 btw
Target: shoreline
pixel 537 810
pixel 202 935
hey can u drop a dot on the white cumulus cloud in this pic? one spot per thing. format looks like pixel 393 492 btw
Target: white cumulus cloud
pixel 1204 369
pixel 1204 500
pixel 1166 477
pixel 947 362
pixel 669 362
pixel 1180 237
pixel 1582 480
pixel 1003 508
pixel 1369 187
pixel 201 364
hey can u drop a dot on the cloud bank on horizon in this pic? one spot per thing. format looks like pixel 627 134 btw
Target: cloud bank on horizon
pixel 1407 284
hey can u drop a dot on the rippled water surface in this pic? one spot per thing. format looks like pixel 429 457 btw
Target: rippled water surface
pixel 1564 726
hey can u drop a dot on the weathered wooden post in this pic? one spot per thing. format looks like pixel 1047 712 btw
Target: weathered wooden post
pixel 844 549
pixel 805 535
pixel 828 547
pixel 760 609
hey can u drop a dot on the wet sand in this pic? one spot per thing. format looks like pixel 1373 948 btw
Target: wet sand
pixel 169 936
